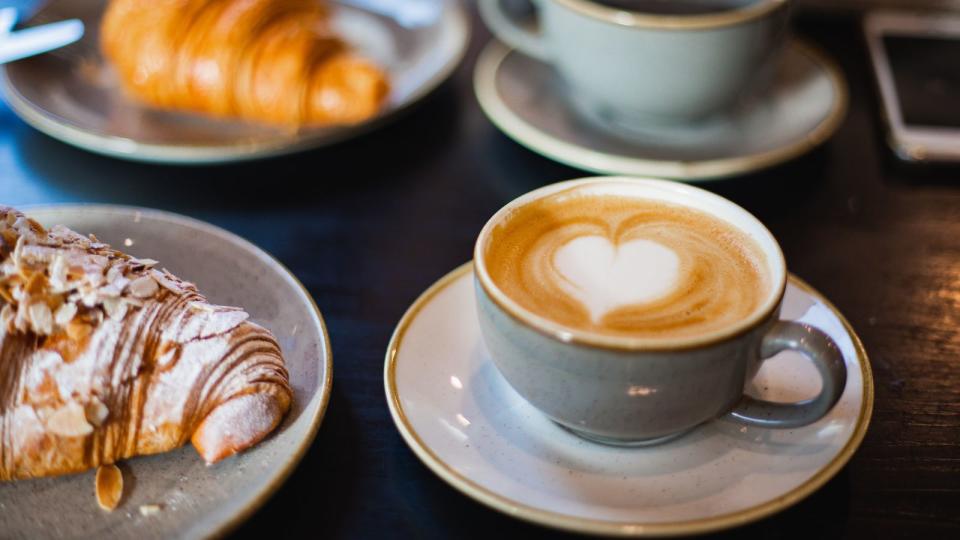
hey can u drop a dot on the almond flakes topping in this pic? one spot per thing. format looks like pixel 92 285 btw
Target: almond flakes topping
pixel 69 420
pixel 96 412
pixel 65 314
pixel 144 287
pixel 50 278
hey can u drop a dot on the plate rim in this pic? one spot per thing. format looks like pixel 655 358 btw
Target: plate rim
pixel 185 154
pixel 564 522
pixel 293 460
pixel 580 157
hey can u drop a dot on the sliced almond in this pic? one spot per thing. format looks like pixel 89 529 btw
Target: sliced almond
pixel 109 486
pixel 35 226
pixel 41 319
pixel 94 279
pixel 115 273
pixel 96 412
pixel 65 314
pixel 69 421
pixel 58 272
pixel 116 308
pixel 165 282
pixel 144 287
pixel 110 290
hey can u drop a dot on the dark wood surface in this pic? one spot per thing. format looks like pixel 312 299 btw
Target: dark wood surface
pixel 370 224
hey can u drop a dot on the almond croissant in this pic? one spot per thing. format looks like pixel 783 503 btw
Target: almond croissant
pixel 104 357
pixel 273 61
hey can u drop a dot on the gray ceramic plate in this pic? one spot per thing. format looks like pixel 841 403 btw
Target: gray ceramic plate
pixel 198 501
pixel 801 109
pixel 71 94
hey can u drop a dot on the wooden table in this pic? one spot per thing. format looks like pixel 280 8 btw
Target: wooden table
pixel 370 224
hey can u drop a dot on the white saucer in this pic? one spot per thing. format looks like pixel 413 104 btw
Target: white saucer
pixel 72 95
pixel 802 108
pixel 468 426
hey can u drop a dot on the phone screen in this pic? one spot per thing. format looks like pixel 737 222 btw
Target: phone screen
pixel 926 73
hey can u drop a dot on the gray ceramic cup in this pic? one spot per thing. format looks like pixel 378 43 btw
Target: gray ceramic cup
pixel 636 69
pixel 638 391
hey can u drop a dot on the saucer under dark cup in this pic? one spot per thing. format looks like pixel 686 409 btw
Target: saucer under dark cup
pixel 801 107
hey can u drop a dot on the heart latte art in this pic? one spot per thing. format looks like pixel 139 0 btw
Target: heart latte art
pixel 626 266
pixel 603 277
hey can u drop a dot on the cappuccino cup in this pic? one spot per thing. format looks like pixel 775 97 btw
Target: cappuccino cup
pixel 637 63
pixel 632 310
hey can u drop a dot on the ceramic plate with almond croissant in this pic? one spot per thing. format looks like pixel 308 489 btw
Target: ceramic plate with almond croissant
pixel 200 81
pixel 135 399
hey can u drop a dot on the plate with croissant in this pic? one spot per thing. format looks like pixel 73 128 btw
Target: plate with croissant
pixel 159 376
pixel 212 81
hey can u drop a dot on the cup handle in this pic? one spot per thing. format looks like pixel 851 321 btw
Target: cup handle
pixel 510 31
pixel 825 355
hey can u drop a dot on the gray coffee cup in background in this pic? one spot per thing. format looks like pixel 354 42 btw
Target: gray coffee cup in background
pixel 636 67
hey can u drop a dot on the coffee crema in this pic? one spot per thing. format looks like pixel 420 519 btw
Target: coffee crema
pixel 626 266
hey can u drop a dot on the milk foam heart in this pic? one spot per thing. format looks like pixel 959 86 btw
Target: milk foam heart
pixel 618 265
pixel 604 276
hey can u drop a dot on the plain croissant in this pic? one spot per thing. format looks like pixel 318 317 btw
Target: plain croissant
pixel 273 61
pixel 104 357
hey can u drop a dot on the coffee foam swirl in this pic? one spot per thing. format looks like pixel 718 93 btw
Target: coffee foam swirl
pixel 624 266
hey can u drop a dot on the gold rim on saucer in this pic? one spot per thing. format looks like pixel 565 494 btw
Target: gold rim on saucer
pixel 584 158
pixel 586 525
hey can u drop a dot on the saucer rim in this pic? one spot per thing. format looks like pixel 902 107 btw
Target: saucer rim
pixel 565 522
pixel 588 159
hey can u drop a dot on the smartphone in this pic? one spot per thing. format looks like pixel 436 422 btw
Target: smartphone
pixel 916 59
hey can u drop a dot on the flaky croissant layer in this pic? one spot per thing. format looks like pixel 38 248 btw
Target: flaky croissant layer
pixel 103 357
pixel 273 61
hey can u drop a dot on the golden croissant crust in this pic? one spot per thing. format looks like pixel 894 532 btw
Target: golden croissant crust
pixel 104 357
pixel 273 61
